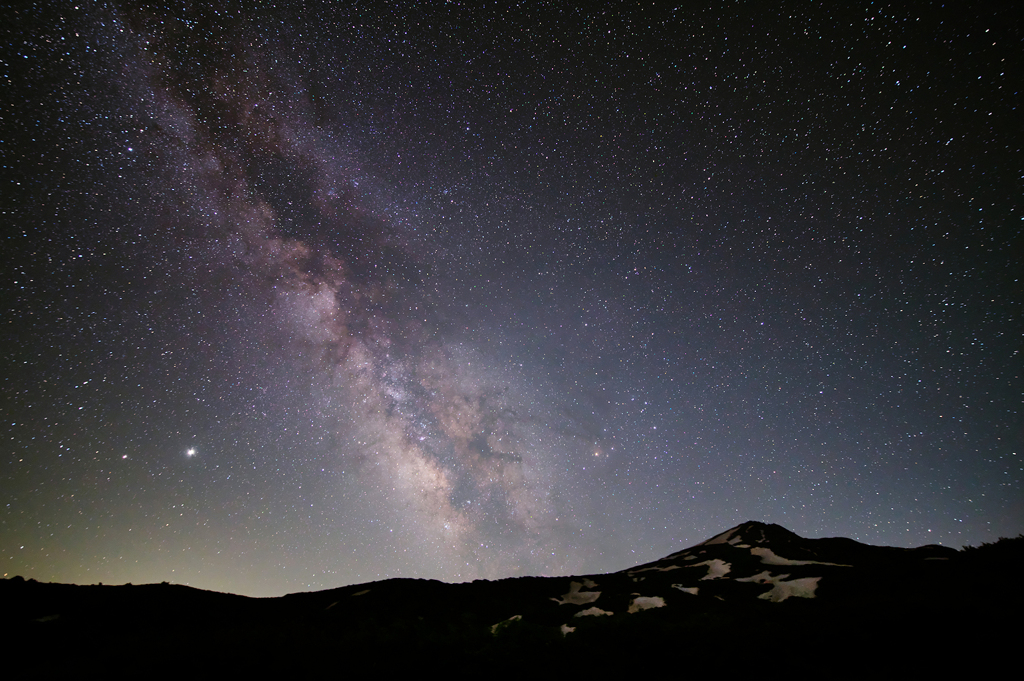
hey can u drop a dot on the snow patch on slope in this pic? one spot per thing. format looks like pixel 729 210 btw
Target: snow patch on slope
pixel 646 603
pixel 803 587
pixel 768 557
pixel 728 537
pixel 654 568
pixel 504 623
pixel 577 597
pixel 692 590
pixel 592 612
pixel 717 568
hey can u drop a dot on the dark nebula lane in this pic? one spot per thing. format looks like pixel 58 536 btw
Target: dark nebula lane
pixel 306 298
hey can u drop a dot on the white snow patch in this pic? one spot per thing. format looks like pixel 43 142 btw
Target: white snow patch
pixel 646 603
pixel 692 590
pixel 593 611
pixel 768 557
pixel 566 629
pixel 717 568
pixel 799 588
pixel 361 593
pixel 654 568
pixel 781 589
pixel 577 597
pixel 504 623
pixel 728 537
pixel 589 583
pixel 762 578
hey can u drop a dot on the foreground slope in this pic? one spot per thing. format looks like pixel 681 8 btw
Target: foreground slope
pixel 748 595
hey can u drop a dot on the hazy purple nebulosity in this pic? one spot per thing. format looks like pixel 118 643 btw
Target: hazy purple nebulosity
pixel 303 299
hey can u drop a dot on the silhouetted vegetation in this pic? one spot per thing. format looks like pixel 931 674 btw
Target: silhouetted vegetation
pixel 1002 548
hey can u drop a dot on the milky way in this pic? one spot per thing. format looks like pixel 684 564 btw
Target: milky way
pixel 302 299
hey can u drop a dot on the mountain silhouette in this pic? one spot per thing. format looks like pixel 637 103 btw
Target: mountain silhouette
pixel 755 595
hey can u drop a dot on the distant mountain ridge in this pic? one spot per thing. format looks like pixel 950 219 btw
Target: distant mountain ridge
pixel 754 582
pixel 763 539
pixel 777 563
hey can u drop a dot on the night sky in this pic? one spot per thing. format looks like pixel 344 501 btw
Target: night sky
pixel 299 298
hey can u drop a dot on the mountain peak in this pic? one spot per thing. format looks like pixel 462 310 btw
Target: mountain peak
pixel 753 533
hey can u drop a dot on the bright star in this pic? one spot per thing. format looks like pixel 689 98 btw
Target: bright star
pixel 191 452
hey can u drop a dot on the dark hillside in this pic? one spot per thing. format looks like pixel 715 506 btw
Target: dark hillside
pixel 755 596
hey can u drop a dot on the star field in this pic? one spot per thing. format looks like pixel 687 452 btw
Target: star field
pixel 298 298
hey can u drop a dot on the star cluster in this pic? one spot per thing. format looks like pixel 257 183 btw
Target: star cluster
pixel 302 298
